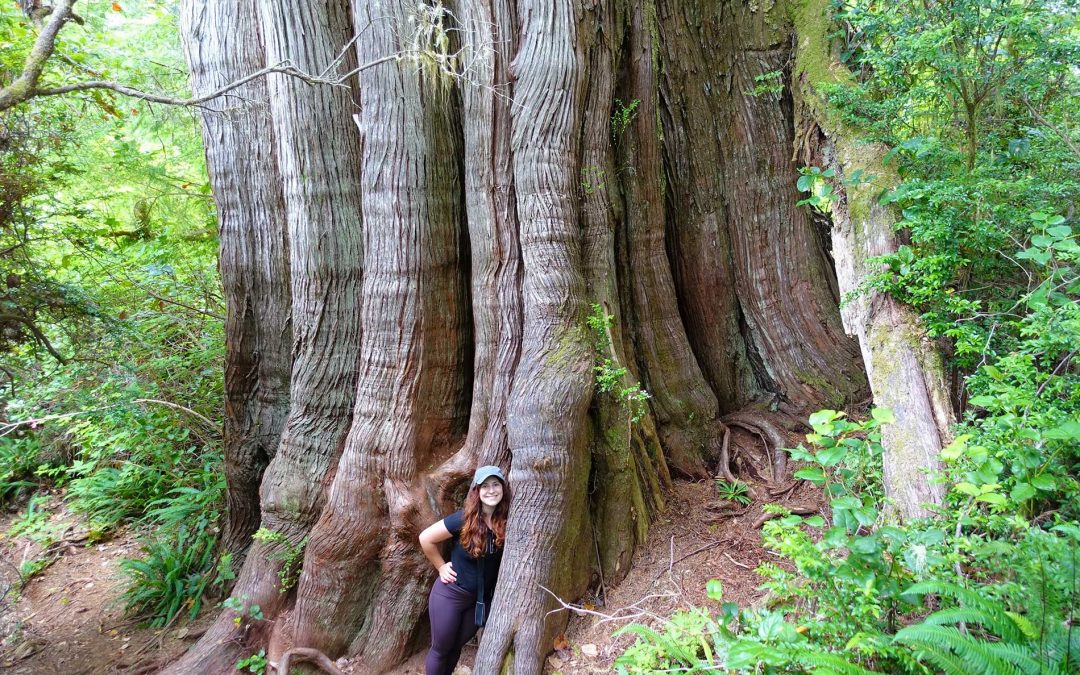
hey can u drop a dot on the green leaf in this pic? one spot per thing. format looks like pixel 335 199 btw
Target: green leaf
pixel 815 521
pixel 831 456
pixel 1060 231
pixel 714 589
pixel 824 417
pixel 883 415
pixel 1022 492
pixel 1066 432
pixel 967 489
pixel 1044 482
pixel 814 474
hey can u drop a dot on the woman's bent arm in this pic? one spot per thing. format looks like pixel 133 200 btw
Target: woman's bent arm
pixel 430 539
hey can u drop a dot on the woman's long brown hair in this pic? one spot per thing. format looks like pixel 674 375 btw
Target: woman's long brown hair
pixel 474 530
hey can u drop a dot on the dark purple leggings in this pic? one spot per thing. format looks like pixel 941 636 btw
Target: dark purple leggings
pixel 453 623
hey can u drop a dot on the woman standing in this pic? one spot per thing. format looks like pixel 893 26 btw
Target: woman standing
pixel 461 596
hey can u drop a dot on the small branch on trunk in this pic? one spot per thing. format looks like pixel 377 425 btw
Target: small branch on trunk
pixel 1046 123
pixel 25 85
pixel 176 406
pixel 307 654
pixel 8 427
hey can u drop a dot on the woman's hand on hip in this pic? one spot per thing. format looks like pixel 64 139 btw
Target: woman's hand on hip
pixel 447 573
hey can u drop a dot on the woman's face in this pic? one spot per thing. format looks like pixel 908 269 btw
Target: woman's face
pixel 491 492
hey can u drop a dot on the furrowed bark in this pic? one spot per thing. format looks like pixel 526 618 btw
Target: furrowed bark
pixel 318 158
pixel 629 470
pixel 365 578
pixel 699 244
pixel 684 406
pixel 553 385
pixel 792 332
pixel 903 366
pixel 491 207
pixel 223 44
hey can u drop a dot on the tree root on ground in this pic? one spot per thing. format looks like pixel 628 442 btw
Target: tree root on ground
pixel 772 434
pixel 798 509
pixel 307 654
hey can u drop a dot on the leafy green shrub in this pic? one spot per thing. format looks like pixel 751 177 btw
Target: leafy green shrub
pixel 853 597
pixel 20 458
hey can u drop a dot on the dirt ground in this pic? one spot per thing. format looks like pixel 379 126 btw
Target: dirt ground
pixel 69 619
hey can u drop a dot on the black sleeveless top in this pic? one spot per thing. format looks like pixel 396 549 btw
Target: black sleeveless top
pixel 468 567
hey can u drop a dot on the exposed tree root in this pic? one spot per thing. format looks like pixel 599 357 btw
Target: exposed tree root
pixel 307 654
pixel 799 510
pixel 773 435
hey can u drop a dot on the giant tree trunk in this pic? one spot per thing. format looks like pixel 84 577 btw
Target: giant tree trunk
pixel 598 158
pixel 223 44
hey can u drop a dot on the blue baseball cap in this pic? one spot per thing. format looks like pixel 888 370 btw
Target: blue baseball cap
pixel 485 472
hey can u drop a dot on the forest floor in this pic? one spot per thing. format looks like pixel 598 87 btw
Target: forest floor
pixel 69 617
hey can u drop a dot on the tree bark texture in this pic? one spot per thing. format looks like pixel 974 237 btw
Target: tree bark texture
pixel 223 44
pixel 589 159
pixel 904 368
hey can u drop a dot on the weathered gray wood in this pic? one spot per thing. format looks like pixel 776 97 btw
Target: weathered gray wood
pixel 222 44
pixel 903 366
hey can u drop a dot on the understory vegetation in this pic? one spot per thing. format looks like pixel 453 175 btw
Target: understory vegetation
pixel 111 337
pixel 977 101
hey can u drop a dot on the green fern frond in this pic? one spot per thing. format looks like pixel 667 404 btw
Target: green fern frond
pixel 1021 655
pixel 824 663
pixel 995 618
pixel 973 653
pixel 1024 624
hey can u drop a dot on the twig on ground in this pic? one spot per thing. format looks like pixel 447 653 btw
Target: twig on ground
pixel 699 549
pixel 737 563
pixel 636 611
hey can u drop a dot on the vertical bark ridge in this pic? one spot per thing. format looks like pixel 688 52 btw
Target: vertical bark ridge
pixel 553 384
pixel 318 159
pixel 492 225
pixel 692 115
pixel 781 269
pixel 629 470
pixel 223 44
pixel 363 573
pixel 684 406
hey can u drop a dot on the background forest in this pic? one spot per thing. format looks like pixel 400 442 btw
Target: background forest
pixel 111 344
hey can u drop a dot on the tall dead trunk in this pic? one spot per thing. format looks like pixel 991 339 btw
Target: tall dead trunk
pixel 223 44
pixel 903 366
